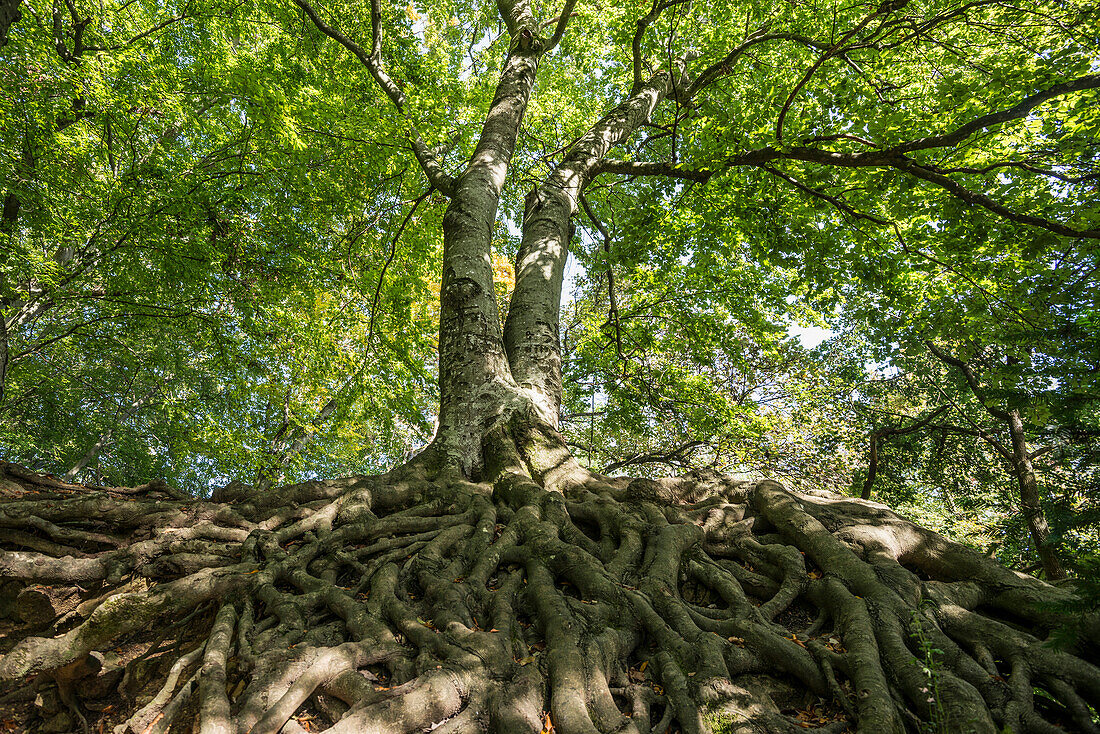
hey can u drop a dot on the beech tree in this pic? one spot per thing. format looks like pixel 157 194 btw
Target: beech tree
pixel 492 582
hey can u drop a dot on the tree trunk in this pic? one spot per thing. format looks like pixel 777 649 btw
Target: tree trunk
pixel 1029 498
pixel 531 332
pixel 95 448
pixel 1020 460
pixel 491 584
pixel 474 381
pixel 9 15
pixel 3 357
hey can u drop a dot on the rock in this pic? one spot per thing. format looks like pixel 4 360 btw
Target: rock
pixel 61 723
pixel 48 702
pixel 102 684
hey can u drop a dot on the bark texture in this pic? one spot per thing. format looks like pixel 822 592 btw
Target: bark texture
pixel 9 15
pixel 494 585
pixel 537 597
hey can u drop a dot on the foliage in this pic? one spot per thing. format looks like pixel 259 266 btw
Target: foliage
pixel 220 265
pixel 192 234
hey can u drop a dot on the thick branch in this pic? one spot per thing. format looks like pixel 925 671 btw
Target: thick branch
pixel 531 332
pixel 888 158
pixel 992 119
pixel 659 6
pixel 563 21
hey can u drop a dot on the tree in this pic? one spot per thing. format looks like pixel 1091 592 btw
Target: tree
pixel 987 335
pixel 492 581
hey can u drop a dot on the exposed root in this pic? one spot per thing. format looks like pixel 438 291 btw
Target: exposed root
pixel 542 596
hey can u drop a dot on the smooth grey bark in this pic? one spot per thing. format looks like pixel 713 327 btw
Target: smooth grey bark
pixel 474 380
pixel 531 331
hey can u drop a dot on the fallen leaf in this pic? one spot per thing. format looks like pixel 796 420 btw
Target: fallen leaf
pixel 153 723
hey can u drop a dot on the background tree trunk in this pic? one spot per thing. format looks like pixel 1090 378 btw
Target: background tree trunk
pixel 1029 498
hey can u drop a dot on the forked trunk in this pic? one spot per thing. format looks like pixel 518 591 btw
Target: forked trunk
pixel 492 584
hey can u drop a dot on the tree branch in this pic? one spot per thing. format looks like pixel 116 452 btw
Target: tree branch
pixel 712 72
pixel 559 30
pixel 1000 117
pixel 891 158
pixel 930 174
pixel 818 193
pixel 636 43
pixel 386 265
pixel 971 379
pixel 836 49
pixel 882 433
pixel 429 163
pixel 613 301
pixel 675 457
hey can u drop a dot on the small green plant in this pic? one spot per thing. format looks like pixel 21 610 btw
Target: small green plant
pixel 930 666
pixel 718 722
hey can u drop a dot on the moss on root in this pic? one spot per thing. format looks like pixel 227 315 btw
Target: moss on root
pixel 541 595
